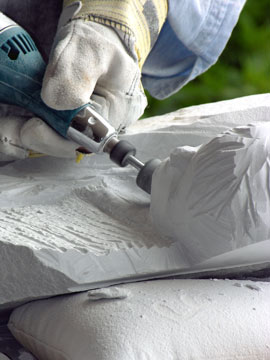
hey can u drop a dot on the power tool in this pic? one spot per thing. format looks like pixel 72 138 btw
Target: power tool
pixel 21 72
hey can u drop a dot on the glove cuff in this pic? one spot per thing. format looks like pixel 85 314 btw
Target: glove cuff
pixel 137 22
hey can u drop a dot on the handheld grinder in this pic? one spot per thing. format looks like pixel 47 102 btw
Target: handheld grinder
pixel 21 72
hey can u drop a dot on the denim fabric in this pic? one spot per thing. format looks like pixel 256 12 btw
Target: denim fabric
pixel 191 40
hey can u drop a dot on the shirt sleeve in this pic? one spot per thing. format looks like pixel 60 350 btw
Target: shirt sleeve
pixel 191 40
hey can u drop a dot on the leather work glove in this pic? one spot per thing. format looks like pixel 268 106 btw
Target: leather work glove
pixel 97 56
pixel 21 137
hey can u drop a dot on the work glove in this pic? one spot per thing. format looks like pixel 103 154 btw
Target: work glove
pixel 21 137
pixel 97 56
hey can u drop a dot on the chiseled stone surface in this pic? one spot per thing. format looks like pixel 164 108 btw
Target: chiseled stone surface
pixel 66 227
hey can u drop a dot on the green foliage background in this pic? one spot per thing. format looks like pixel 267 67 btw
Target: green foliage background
pixel 242 69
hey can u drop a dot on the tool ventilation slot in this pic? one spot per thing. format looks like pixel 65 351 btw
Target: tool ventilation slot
pixel 20 43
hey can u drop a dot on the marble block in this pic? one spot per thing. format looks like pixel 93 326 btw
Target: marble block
pixel 66 227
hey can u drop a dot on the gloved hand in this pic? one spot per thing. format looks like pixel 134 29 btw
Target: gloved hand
pixel 98 51
pixel 21 137
pixel 89 61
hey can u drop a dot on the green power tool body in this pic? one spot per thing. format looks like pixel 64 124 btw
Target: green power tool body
pixel 21 72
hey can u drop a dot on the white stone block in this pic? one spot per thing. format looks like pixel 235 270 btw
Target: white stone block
pixel 66 227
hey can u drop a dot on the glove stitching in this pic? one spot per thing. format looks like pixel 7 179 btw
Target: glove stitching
pixel 113 91
pixel 105 21
pixel 133 84
pixel 125 34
